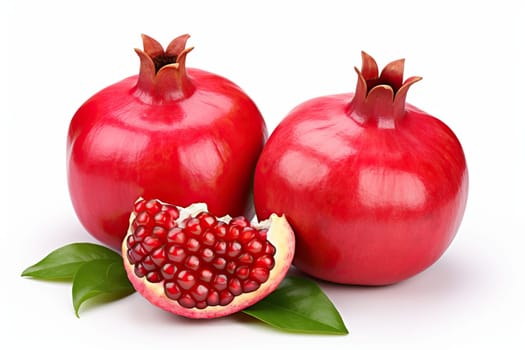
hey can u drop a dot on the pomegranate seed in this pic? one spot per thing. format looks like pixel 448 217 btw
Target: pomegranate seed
pixel 172 211
pixel 193 226
pixel 130 242
pixel 221 229
pixel 225 297
pixel 233 233
pixel 242 272
pixel 206 275
pixel 206 219
pixel 142 218
pixel 220 248
pixel 176 235
pixel 148 263
pixel 208 239
pixel 263 233
pixel 139 206
pixel 168 271
pixel 240 221
pixel 186 301
pixel 249 286
pixel 245 258
pixel 154 277
pixel 193 245
pixel 265 261
pixel 176 254
pixel 220 282
pixel 140 271
pixel 234 286
pixel 172 290
pixel 159 256
pixel 230 267
pixel 219 263
pixel 269 249
pixel 131 257
pixel 233 249
pixel 192 263
pixel 185 280
pixel 159 232
pixel 162 218
pixel 201 305
pixel 153 206
pixel 199 293
pixel 254 246
pixel 247 234
pixel 137 253
pixel 140 233
pixel 151 243
pixel 260 274
pixel 213 298
pixel 207 255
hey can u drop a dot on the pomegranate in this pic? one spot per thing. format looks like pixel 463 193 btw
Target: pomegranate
pixel 171 132
pixel 374 188
pixel 193 264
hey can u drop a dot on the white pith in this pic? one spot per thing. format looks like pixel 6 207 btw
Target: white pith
pixel 279 233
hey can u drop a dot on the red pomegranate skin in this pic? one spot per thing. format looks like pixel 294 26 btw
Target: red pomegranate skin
pixel 181 134
pixel 375 190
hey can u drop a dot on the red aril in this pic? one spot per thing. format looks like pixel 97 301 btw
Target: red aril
pixel 193 264
pixel 181 134
pixel 374 188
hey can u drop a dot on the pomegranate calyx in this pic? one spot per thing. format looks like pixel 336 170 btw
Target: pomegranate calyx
pixel 162 76
pixel 380 96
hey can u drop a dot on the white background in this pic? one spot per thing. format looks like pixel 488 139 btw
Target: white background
pixel 56 54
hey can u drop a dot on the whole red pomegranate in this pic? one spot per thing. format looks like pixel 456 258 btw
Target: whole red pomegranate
pixel 179 134
pixel 374 188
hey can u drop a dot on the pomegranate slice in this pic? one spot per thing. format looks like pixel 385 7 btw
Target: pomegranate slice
pixel 193 264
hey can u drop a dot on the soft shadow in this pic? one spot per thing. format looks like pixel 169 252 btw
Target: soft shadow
pixel 450 277
pixel 100 301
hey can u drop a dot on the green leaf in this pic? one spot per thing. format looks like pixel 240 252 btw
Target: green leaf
pixel 63 263
pixel 100 278
pixel 299 305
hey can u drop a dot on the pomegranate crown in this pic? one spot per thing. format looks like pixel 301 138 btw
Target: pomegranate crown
pixel 162 74
pixel 381 96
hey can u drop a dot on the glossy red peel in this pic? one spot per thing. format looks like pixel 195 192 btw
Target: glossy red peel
pixel 374 188
pixel 171 132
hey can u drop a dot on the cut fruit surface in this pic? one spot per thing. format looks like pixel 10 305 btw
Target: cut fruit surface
pixel 193 264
